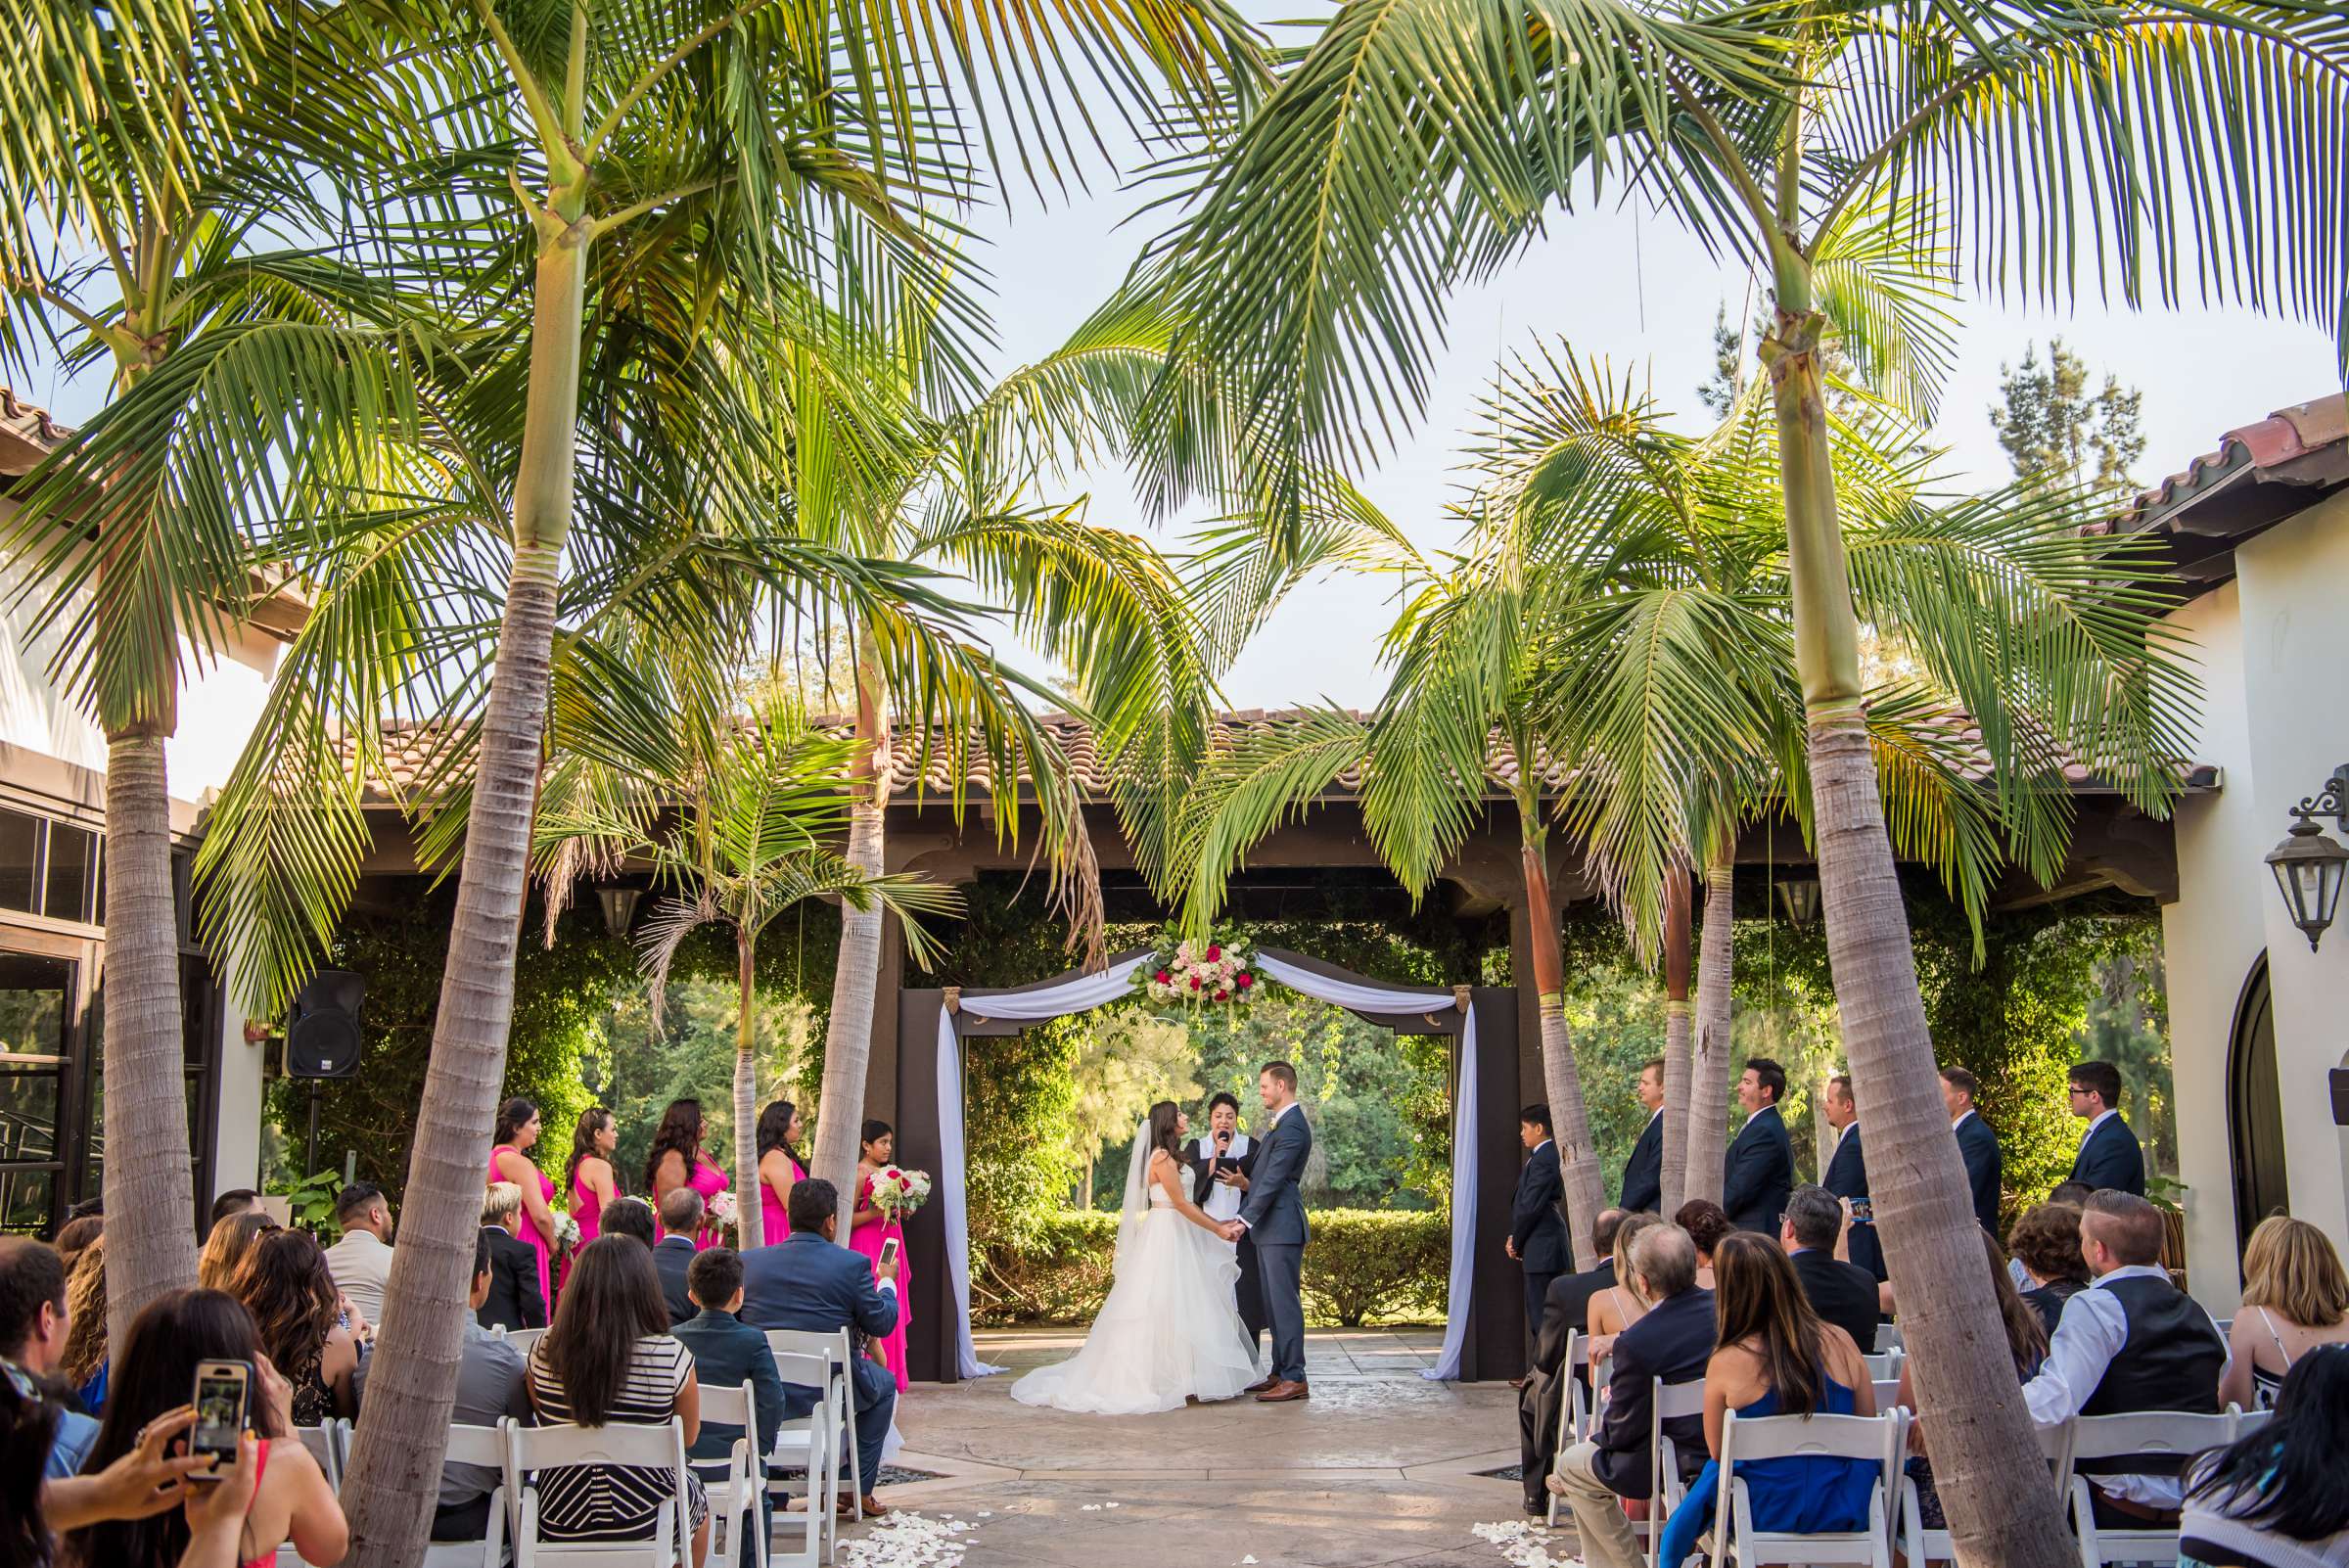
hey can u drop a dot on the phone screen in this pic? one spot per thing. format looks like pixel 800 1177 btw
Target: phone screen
pixel 889 1250
pixel 221 1387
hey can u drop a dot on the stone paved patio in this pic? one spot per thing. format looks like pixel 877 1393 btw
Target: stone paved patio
pixel 1377 1468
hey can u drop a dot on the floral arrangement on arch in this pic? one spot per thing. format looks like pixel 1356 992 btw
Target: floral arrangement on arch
pixel 898 1192
pixel 1212 971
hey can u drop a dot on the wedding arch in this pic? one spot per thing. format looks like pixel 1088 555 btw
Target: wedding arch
pixel 1485 1314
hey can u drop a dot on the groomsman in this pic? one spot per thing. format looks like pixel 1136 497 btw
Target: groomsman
pixel 1537 1231
pixel 1977 1144
pixel 2109 1154
pixel 1759 1172
pixel 1220 1167
pixel 1847 1175
pixel 1643 1171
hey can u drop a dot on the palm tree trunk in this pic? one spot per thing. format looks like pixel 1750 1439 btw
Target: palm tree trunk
pixel 1709 1063
pixel 149 1189
pixel 396 1463
pixel 1676 1063
pixel 1993 1481
pixel 856 978
pixel 750 1220
pixel 1570 1120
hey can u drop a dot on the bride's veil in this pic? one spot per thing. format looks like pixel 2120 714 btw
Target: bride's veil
pixel 1137 1194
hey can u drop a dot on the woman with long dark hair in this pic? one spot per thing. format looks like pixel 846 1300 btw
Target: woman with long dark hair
pixel 27 1426
pixel 510 1159
pixel 610 1361
pixel 291 1500
pixel 589 1180
pixel 877 1147
pixel 779 1167
pixel 287 1286
pixel 1776 1357
pixel 2280 1496
pixel 676 1160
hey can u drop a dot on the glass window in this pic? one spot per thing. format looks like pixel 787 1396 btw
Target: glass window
pixel 73 864
pixel 20 855
pixel 36 1000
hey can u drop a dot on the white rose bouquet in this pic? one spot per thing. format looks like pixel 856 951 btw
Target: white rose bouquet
pixel 898 1192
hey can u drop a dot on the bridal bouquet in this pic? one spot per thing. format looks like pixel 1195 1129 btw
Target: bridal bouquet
pixel 567 1233
pixel 898 1192
pixel 1215 969
pixel 721 1211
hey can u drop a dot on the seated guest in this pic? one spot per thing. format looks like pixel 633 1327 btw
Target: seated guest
pixel 2295 1299
pixel 76 1235
pixel 514 1301
pixel 2131 1342
pixel 361 1261
pixel 492 1382
pixel 1706 1224
pixel 1615 1307
pixel 2026 1342
pixel 681 1221
pixel 225 1248
pixel 34 1326
pixel 608 1361
pixel 236 1200
pixel 291 1502
pixel 286 1286
pixel 1841 1293
pixel 2278 1497
pixel 812 1284
pixel 2047 1249
pixel 628 1216
pixel 84 1364
pixel 1672 1341
pixel 1775 1357
pixel 1564 1310
pixel 729 1352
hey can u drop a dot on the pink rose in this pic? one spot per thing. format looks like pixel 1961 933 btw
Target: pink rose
pixel 1246 980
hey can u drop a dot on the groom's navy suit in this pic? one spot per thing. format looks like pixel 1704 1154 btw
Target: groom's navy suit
pixel 1275 1216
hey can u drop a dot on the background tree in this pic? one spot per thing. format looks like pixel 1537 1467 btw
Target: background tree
pixel 1126 1061
pixel 2054 431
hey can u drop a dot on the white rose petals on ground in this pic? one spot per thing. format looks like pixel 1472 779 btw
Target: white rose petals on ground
pixel 1522 1544
pixel 906 1541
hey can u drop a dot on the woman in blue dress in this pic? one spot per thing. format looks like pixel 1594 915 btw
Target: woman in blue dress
pixel 1775 1357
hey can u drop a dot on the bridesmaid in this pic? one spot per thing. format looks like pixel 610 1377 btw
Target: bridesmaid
pixel 510 1161
pixel 779 1134
pixel 877 1148
pixel 592 1182
pixel 677 1161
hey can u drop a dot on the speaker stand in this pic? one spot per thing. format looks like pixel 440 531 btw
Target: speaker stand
pixel 311 1159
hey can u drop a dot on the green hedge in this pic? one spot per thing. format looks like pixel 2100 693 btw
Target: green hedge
pixel 1362 1266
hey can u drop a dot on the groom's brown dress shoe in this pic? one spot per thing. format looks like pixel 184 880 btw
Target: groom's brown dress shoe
pixel 1260 1385
pixel 1283 1393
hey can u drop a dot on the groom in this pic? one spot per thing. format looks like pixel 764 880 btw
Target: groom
pixel 1273 1217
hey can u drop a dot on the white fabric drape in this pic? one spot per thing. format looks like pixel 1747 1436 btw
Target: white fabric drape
pixel 1089 991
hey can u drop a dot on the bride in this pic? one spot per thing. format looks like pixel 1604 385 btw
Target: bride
pixel 1169 1331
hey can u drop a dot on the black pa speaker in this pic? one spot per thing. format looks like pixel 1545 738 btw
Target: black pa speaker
pixel 322 1034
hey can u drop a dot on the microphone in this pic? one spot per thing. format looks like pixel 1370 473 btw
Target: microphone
pixel 1223 1141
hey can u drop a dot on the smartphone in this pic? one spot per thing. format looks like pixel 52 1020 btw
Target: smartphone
pixel 888 1251
pixel 223 1401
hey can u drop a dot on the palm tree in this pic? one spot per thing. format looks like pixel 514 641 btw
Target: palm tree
pixel 740 822
pixel 1417 140
pixel 143 212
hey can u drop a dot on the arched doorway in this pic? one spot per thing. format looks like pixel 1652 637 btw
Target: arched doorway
pixel 2255 1109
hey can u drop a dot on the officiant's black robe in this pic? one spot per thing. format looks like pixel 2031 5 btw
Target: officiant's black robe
pixel 1250 1295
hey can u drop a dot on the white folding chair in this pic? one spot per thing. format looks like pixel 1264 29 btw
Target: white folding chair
pixel 2247 1422
pixel 1883 1364
pixel 484 1445
pixel 522 1339
pixel 1920 1545
pixel 813 1440
pixel 840 1355
pixel 737 1488
pixel 1888 1338
pixel 1574 1411
pixel 1667 1402
pixel 1602 1376
pixel 1876 1439
pixel 1888 1393
pixel 329 1444
pixel 530 1449
pixel 2160 1433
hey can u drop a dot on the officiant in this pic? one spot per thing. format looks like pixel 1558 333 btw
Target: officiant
pixel 1221 1165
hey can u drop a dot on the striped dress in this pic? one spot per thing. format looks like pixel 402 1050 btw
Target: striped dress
pixel 615 1502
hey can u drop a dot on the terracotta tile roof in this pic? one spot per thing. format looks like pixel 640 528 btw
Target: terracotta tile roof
pixel 26 433
pixel 2260 474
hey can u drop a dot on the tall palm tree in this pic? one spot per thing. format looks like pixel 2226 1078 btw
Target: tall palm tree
pixel 1418 140
pixel 156 175
pixel 738 821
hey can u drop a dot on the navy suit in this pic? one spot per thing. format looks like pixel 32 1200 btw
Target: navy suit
pixel 1673 1340
pixel 1539 1230
pixel 1275 1214
pixel 1566 1308
pixel 729 1352
pixel 1978 1146
pixel 2110 1156
pixel 672 1257
pixel 1759 1172
pixel 1643 1171
pixel 1847 1177
pixel 513 1299
pixel 812 1286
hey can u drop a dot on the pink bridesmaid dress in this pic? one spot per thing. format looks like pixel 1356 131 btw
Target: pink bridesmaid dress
pixel 529 1231
pixel 866 1238
pixel 708 1180
pixel 586 1210
pixel 774 1220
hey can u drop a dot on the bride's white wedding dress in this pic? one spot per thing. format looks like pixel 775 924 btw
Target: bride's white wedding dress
pixel 1169 1331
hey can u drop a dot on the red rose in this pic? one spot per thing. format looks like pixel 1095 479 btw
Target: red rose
pixel 1194 982
pixel 1246 980
pixel 895 1174
pixel 1162 977
pixel 1223 995
pixel 1213 954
